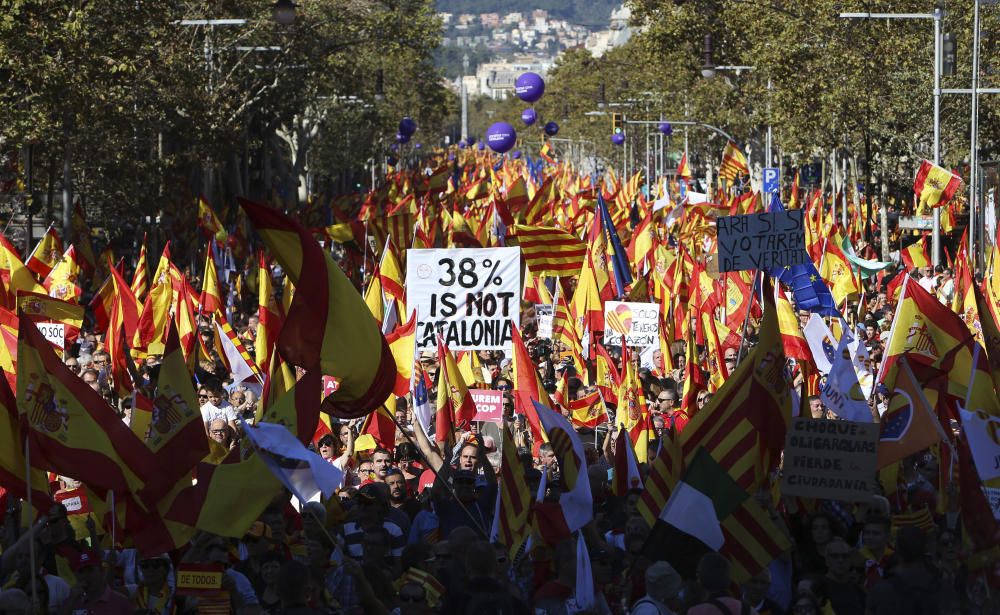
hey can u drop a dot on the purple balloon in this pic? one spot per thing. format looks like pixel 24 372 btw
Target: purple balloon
pixel 516 154
pixel 401 138
pixel 528 116
pixel 407 126
pixel 552 129
pixel 501 137
pixel 666 128
pixel 618 138
pixel 481 146
pixel 529 87
pixel 462 144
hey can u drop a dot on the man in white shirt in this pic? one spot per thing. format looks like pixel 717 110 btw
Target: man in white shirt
pixel 214 406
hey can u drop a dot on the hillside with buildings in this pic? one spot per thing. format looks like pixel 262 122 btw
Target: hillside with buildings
pixel 488 50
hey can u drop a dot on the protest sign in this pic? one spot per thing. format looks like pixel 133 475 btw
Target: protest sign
pixel 761 241
pixel 830 460
pixel 54 332
pixel 543 312
pixel 638 323
pixel 470 296
pixel 983 434
pixel 993 497
pixel 489 404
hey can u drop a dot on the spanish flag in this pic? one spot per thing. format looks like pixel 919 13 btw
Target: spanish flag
pixel 71 429
pixel 211 297
pixel 176 436
pixel 934 186
pixel 683 170
pixel 402 341
pixel 62 281
pixel 297 408
pixel 268 315
pixel 916 254
pixel 12 463
pixel 46 253
pixel 209 223
pixel 15 275
pixel 328 325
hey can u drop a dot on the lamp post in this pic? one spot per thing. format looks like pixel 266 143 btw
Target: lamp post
pixel 936 17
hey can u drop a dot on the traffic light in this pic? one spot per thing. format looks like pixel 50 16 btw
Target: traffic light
pixel 618 122
pixel 948 54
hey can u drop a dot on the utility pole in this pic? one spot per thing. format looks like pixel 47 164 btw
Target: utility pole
pixel 465 99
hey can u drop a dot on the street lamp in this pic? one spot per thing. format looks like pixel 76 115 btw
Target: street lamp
pixel 708 67
pixel 283 12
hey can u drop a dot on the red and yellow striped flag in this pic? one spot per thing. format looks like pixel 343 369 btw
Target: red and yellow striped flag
pixel 515 498
pixel 734 163
pixel 140 279
pixel 549 250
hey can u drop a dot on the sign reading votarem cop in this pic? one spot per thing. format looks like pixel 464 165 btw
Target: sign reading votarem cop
pixel 761 241
pixel 638 323
pixel 470 296
pixel 832 460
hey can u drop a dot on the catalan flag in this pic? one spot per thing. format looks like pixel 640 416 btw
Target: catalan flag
pixel 734 163
pixel 549 250
pixel 663 475
pixel 514 512
pixel 745 421
pixel 934 186
pixel 140 279
pixel 575 508
pixel 327 315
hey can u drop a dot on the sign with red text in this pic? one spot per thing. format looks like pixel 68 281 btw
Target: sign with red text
pixel 637 323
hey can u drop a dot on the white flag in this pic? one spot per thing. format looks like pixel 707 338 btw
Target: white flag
pixel 841 392
pixel 983 432
pixel 304 472
pixel 821 343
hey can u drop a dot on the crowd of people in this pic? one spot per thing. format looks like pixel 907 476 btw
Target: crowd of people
pixel 410 529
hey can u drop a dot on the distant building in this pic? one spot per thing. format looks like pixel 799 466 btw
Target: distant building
pixel 618 33
pixel 496 79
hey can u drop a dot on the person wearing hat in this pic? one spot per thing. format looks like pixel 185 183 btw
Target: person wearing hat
pixel 663 585
pixel 92 594
pixel 154 596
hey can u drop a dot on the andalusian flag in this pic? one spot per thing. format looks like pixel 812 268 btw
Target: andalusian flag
pixel 327 316
pixel 934 185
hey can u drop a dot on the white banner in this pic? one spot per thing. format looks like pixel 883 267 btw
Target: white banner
pixel 639 323
pixel 983 432
pixel 470 296
pixel 544 313
pixel 55 332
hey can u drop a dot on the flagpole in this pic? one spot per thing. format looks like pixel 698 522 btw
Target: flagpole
pixel 746 322
pixel 31 538
pixel 437 476
pixel 892 329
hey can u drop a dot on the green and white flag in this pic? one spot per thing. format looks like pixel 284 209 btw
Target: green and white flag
pixel 704 496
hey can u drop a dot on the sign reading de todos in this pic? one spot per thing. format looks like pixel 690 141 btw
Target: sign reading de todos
pixel 761 241
pixel 638 323
pixel 470 296
pixel 832 460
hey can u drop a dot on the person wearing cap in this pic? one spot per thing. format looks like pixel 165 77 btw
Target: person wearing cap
pixel 153 595
pixel 663 585
pixel 92 594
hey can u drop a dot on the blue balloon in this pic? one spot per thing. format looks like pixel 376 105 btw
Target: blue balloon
pixel 481 146
pixel 407 126
pixel 666 128
pixel 529 87
pixel 501 137
pixel 552 129
pixel 528 116
pixel 618 138
pixel 401 138
pixel 515 154
pixel 461 144
pixel 417 146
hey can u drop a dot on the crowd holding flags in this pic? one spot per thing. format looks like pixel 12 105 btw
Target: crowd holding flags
pixel 733 349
